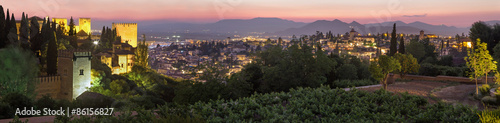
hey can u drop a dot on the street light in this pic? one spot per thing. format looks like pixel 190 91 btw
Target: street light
pixel 96 42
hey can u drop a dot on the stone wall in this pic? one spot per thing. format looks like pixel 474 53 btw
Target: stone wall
pixel 128 32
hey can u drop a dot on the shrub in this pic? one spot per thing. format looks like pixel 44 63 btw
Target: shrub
pixel 489 100
pixel 427 69
pixel 6 111
pixel 488 116
pixel 17 100
pixel 485 89
pixel 45 102
pixel 347 71
pixel 352 83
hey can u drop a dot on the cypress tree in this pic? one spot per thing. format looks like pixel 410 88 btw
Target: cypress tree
pixel 52 55
pixel 12 35
pixel 394 43
pixel 35 38
pixel 2 26
pixel 72 31
pixel 24 32
pixel 402 45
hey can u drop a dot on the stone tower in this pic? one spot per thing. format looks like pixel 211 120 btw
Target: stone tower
pixel 128 32
pixel 84 24
pixel 81 72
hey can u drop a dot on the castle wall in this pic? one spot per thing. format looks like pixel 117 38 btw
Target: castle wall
pixel 84 24
pixel 48 85
pixel 128 32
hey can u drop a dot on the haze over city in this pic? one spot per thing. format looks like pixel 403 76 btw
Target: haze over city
pixel 459 13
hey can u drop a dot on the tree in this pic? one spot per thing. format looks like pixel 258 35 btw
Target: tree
pixel 479 62
pixel 18 68
pixel 394 43
pixel 402 45
pixel 119 86
pixel 24 32
pixel 408 63
pixel 381 68
pixel 416 49
pixel 481 30
pixel 3 41
pixel 52 55
pixel 141 53
pixel 347 71
pixel 72 31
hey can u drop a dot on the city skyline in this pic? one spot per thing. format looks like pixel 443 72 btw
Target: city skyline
pixel 460 13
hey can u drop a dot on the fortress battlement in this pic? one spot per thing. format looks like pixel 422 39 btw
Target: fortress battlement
pixel 125 24
pixel 70 53
pixel 48 79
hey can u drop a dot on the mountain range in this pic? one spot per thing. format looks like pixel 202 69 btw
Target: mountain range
pixel 282 27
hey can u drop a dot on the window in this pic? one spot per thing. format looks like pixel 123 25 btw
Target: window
pixel 81 71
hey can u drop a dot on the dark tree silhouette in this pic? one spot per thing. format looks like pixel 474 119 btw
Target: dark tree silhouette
pixel 394 43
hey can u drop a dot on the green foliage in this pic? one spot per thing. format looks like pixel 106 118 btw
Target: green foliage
pixel 408 63
pixel 331 105
pixel 446 60
pixel 118 86
pixel 141 53
pixel 18 68
pixel 480 62
pixel 347 71
pixel 191 92
pixel 45 102
pixel 427 69
pixel 482 31
pixel 489 116
pixel 416 49
pixel 485 89
pixel 16 120
pixel 293 67
pixel 382 67
pixel 352 83
pixel 16 100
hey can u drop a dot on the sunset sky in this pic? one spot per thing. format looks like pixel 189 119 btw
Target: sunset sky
pixel 460 13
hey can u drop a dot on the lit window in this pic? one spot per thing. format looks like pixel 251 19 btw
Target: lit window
pixel 81 71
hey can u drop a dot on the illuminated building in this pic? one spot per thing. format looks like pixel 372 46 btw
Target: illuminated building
pixel 128 32
pixel 120 59
pixel 84 25
pixel 61 22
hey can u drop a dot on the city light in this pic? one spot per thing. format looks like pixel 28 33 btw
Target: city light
pixel 96 42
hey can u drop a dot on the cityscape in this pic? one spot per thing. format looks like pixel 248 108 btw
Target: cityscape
pixel 249 61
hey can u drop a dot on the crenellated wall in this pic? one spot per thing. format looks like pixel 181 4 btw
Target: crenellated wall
pixel 128 32
pixel 48 85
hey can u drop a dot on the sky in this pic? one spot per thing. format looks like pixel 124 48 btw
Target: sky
pixel 460 13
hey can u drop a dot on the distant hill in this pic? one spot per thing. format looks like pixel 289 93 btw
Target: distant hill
pixel 339 27
pixel 230 25
pixel 282 27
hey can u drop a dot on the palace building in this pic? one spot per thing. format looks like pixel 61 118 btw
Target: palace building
pixel 128 32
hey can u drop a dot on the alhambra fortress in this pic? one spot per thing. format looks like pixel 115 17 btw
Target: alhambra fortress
pixel 74 66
